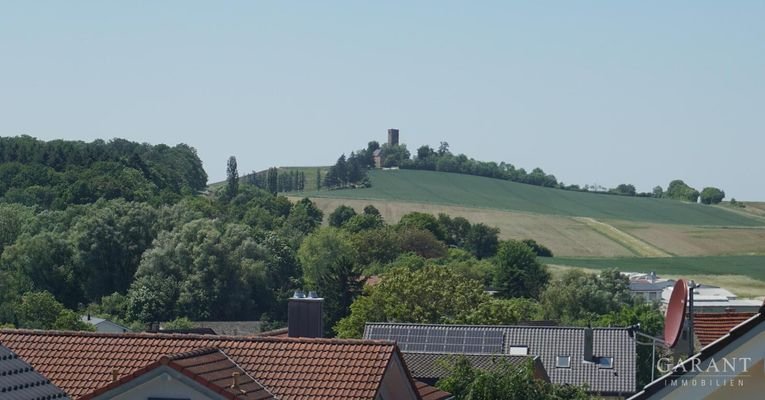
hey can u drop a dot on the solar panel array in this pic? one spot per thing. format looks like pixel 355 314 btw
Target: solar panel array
pixel 440 339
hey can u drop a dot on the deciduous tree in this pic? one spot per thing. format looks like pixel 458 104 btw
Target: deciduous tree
pixel 517 272
pixel 330 266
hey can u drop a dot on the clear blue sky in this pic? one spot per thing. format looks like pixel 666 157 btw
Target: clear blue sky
pixel 593 92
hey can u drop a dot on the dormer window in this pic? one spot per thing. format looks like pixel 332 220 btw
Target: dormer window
pixel 519 350
pixel 563 362
pixel 606 362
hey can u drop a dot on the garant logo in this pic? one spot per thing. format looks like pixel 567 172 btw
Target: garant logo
pixel 726 371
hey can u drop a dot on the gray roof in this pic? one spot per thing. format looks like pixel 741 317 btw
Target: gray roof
pixel 547 342
pixel 19 381
pixel 644 286
pixel 233 328
pixel 434 365
pixel 91 319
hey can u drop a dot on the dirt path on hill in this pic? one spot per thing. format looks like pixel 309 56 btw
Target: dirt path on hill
pixel 639 247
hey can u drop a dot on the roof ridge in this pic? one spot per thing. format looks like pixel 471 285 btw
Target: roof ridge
pixel 532 356
pixel 602 328
pixel 198 337
pixel 192 353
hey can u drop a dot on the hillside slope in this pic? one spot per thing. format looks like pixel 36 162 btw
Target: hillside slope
pixel 479 192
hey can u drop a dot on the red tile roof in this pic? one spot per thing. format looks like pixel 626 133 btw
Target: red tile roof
pixel 281 332
pixel 210 367
pixel 709 327
pixel 291 368
pixel 428 392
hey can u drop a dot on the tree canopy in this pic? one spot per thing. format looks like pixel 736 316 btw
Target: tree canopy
pixel 678 190
pixel 712 195
pixel 504 382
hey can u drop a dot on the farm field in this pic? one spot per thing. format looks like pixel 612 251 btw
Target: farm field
pixel 563 235
pixel 689 240
pixel 579 237
pixel 717 245
pixel 756 208
pixel 479 192
pixel 744 275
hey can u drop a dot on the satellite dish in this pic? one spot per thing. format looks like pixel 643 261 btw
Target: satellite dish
pixel 673 322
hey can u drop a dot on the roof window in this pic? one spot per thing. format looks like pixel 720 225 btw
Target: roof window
pixel 563 362
pixel 606 362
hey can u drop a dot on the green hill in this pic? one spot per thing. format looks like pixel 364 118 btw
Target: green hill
pixel 478 192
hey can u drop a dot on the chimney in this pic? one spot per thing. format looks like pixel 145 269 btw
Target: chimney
pixel 152 327
pixel 235 380
pixel 304 315
pixel 393 137
pixel 653 277
pixel 588 339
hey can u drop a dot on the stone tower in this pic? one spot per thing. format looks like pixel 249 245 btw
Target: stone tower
pixel 392 137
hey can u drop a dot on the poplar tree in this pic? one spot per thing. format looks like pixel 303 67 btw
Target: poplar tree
pixel 232 178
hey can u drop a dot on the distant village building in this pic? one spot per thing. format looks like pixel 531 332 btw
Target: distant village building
pixel 648 286
pixel 714 299
pixel 377 156
pixel 104 325
pixel 392 141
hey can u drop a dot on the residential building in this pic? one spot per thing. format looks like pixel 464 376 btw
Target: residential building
pixel 160 365
pixel 731 367
pixel 648 286
pixel 714 299
pixel 104 325
pixel 708 327
pixel 140 365
pixel 604 359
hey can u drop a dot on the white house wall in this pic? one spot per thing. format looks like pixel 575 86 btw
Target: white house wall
pixel 162 382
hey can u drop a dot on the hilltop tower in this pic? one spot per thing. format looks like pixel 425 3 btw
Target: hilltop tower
pixel 392 137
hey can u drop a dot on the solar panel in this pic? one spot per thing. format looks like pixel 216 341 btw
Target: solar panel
pixel 450 339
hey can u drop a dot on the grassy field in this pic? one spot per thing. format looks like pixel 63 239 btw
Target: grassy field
pixel 478 192
pixel 750 266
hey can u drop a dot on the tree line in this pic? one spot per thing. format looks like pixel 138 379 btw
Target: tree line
pixel 442 159
pixel 55 174
pixel 274 181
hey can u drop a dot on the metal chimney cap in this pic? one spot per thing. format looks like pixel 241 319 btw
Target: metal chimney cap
pixel 313 295
pixel 298 294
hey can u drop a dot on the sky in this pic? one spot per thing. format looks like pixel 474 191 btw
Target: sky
pixel 593 92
